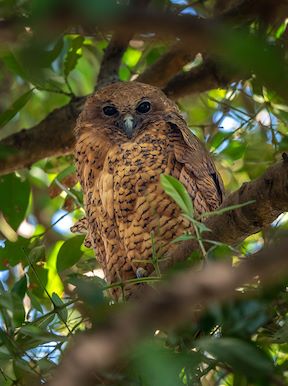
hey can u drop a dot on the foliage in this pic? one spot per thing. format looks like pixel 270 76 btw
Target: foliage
pixel 46 272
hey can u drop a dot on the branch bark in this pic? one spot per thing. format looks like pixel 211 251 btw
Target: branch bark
pixel 167 65
pixel 115 50
pixel 49 138
pixel 112 59
pixel 205 77
pixel 173 304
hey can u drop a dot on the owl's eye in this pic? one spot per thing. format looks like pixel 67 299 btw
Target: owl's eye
pixel 144 107
pixel 110 110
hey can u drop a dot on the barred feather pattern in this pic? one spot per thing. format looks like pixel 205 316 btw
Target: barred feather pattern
pixel 129 218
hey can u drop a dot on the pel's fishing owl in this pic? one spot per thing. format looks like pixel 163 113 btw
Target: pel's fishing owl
pixel 127 136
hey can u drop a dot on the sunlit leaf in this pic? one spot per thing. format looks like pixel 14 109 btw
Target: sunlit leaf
pixel 54 283
pixel 69 253
pixel 73 54
pixel 131 57
pixel 177 191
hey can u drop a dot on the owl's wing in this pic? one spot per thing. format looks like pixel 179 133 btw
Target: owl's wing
pixel 195 169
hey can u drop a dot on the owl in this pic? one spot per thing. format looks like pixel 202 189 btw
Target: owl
pixel 127 135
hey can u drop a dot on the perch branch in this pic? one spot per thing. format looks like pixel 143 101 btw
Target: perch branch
pixel 175 303
pixel 269 194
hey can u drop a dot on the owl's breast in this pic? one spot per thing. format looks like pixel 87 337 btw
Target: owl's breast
pixel 136 169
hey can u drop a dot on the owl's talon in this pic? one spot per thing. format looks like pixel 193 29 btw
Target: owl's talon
pixel 141 272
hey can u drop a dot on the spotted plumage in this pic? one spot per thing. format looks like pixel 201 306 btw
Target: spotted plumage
pixel 126 137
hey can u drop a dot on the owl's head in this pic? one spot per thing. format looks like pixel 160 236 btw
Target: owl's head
pixel 124 108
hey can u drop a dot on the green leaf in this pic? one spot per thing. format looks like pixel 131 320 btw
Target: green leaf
pixel 13 64
pixel 281 29
pixel 9 301
pixel 37 254
pixel 38 278
pixel 18 310
pixel 184 237
pixel 60 307
pixel 177 191
pixel 31 336
pixel 73 55
pixel 234 151
pixel 44 321
pixel 131 57
pixel 35 302
pixel 69 253
pixel 64 173
pixel 13 253
pixel 20 287
pixel 14 199
pixel 7 115
pixel 217 140
pixel 243 357
pixel 89 289
pixel 56 50
pixel 159 366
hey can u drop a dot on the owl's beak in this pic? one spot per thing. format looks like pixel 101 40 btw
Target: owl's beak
pixel 129 124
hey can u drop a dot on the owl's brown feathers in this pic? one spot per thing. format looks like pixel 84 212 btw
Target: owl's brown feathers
pixel 127 136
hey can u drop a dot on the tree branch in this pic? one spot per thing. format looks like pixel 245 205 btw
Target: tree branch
pixel 167 65
pixel 112 59
pixel 171 305
pixel 269 196
pixel 205 77
pixel 115 50
pixel 49 138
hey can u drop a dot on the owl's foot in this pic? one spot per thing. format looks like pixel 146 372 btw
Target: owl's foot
pixel 141 272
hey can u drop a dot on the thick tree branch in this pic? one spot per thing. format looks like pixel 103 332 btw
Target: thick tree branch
pixel 269 196
pixel 167 65
pixel 202 78
pixel 112 59
pixel 115 50
pixel 51 137
pixel 173 304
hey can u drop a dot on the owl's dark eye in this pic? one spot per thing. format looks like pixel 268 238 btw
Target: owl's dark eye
pixel 110 110
pixel 144 107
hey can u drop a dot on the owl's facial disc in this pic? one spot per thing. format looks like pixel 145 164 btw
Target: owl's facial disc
pixel 128 117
